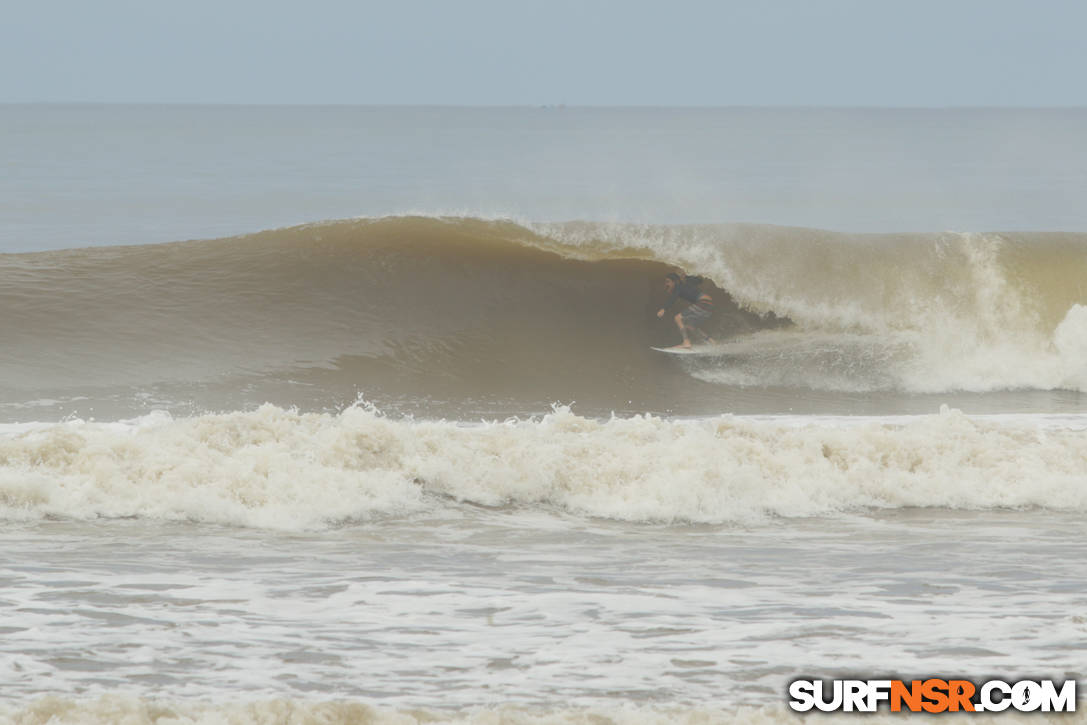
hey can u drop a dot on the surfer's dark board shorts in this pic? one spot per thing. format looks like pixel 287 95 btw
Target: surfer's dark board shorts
pixel 696 314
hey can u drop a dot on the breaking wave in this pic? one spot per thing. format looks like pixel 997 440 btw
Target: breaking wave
pixel 463 307
pixel 279 469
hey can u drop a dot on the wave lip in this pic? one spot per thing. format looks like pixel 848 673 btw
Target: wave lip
pixel 279 469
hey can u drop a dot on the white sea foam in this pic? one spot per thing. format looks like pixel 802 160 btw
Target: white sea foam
pixel 281 469
pixel 135 711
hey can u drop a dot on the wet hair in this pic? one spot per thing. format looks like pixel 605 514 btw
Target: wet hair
pixel 672 276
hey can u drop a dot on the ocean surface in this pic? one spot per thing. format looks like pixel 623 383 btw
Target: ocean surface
pixel 349 414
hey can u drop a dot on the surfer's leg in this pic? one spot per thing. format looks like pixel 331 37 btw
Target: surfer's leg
pixel 695 316
pixel 682 329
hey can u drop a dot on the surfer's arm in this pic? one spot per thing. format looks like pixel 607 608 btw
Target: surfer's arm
pixel 668 302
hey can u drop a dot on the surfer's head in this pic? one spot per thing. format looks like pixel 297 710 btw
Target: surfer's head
pixel 671 280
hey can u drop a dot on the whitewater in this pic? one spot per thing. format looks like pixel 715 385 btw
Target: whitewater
pixel 277 469
pixel 305 420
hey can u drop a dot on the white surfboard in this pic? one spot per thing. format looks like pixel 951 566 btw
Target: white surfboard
pixel 696 350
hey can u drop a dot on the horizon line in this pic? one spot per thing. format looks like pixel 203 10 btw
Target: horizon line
pixel 551 106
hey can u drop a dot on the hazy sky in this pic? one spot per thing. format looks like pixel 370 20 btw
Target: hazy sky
pixel 584 52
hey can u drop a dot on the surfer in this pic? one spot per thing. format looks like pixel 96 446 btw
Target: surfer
pixel 686 287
